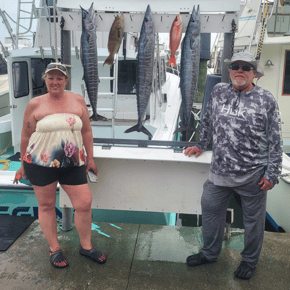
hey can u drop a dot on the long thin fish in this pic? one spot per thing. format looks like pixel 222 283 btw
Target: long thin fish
pixel 89 57
pixel 115 38
pixel 145 62
pixel 175 37
pixel 190 58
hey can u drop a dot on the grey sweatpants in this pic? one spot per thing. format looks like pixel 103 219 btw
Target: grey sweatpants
pixel 214 203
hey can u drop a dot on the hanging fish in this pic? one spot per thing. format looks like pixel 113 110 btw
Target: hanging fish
pixel 89 58
pixel 190 58
pixel 175 37
pixel 145 62
pixel 115 38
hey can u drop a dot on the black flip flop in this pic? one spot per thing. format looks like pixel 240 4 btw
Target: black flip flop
pixel 57 258
pixel 93 254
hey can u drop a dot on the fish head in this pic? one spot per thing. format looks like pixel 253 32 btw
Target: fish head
pixel 88 18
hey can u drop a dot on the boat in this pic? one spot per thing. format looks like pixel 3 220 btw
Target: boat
pixel 136 175
pixel 264 31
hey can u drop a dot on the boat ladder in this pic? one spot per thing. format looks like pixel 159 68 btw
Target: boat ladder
pixel 8 27
pixel 23 15
pixel 112 94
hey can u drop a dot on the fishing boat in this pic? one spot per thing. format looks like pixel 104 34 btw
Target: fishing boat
pixel 264 31
pixel 136 173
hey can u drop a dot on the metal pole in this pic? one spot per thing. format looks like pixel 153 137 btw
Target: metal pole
pixel 66 211
pixel 67 53
pixel 227 54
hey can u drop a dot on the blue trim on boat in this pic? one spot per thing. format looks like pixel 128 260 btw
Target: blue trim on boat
pixel 273 223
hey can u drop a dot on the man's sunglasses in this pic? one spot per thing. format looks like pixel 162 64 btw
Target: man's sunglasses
pixel 55 65
pixel 243 66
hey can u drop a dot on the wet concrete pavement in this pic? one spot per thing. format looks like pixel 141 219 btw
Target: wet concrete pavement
pixel 140 257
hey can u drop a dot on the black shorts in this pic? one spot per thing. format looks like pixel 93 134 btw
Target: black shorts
pixel 41 176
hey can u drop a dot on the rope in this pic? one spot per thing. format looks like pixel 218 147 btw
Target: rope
pixel 55 32
pixel 6 164
pixel 234 27
pixel 259 50
pixel 4 151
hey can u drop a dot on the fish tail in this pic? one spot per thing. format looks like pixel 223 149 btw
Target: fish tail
pixel 97 117
pixel 183 128
pixel 109 61
pixel 138 129
pixel 172 60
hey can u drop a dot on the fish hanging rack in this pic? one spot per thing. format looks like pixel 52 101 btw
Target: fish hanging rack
pixel 211 22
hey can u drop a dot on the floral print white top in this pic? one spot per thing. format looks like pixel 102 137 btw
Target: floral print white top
pixel 57 142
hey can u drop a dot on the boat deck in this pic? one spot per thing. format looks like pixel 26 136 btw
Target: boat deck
pixel 140 257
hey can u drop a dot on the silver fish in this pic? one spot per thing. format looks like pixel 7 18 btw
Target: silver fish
pixel 145 63
pixel 190 58
pixel 89 58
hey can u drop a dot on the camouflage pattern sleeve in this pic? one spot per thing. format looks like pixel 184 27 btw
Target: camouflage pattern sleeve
pixel 275 142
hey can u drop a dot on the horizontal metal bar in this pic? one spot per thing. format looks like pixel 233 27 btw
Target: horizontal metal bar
pixel 106 78
pixel 105 94
pixel 143 143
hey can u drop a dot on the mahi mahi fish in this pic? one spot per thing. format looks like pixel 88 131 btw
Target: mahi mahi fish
pixel 115 38
pixel 89 57
pixel 190 57
pixel 144 77
pixel 175 37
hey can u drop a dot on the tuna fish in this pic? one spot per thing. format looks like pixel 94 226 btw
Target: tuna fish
pixel 175 37
pixel 89 57
pixel 144 77
pixel 190 57
pixel 115 38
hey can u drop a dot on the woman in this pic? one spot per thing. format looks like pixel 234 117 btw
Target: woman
pixel 55 138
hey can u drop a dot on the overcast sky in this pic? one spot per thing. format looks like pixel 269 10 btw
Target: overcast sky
pixel 10 6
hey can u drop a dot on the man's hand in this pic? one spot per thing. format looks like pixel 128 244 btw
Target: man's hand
pixel 192 150
pixel 266 185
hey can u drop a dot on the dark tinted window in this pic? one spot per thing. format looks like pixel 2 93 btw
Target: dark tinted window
pixel 126 77
pixel 20 79
pixel 286 87
pixel 38 66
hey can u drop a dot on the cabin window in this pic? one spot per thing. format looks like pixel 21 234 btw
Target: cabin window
pixel 38 66
pixel 286 87
pixel 20 79
pixel 127 70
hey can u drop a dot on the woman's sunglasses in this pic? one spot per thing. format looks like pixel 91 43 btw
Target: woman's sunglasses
pixel 55 65
pixel 243 66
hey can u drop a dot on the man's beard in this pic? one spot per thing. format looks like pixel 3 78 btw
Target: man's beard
pixel 238 84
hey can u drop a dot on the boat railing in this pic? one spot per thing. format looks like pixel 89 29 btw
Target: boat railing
pixel 173 70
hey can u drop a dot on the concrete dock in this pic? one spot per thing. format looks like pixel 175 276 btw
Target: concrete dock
pixel 140 257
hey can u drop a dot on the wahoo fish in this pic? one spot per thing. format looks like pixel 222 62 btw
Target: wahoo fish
pixel 115 38
pixel 175 37
pixel 190 57
pixel 144 77
pixel 89 58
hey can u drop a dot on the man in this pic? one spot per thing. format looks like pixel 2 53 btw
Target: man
pixel 244 123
